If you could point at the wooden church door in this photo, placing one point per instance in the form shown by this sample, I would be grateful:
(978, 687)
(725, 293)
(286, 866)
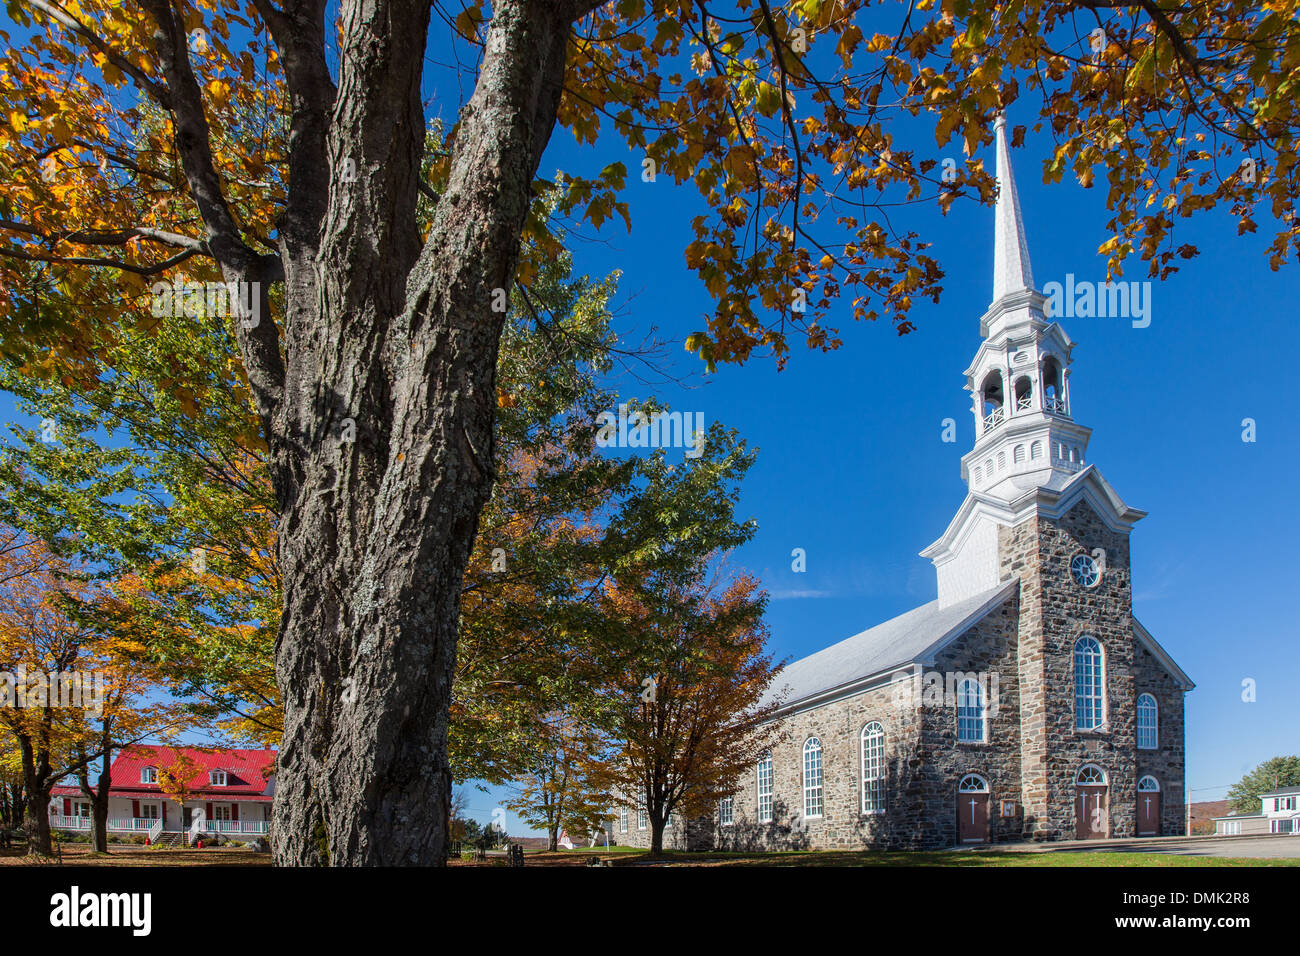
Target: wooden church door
(1091, 804)
(973, 809)
(1148, 808)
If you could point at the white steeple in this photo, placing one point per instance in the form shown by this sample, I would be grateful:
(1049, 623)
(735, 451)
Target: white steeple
(1011, 269)
(1019, 380)
(1029, 453)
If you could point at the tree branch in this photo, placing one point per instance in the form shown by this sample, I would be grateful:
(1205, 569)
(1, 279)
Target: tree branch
(156, 90)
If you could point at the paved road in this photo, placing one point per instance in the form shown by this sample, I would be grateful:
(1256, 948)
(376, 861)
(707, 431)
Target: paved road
(1282, 847)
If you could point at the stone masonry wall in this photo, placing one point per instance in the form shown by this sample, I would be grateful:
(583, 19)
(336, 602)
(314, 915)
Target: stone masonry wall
(991, 647)
(923, 762)
(1056, 612)
(1168, 761)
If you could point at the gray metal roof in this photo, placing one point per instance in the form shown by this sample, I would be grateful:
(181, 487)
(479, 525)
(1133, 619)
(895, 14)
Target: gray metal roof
(1285, 791)
(913, 636)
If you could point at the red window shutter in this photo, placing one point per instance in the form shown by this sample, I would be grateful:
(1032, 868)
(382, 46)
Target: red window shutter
(67, 806)
(164, 813)
(209, 811)
(135, 808)
(234, 811)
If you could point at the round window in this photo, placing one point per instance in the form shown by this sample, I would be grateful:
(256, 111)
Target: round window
(1086, 572)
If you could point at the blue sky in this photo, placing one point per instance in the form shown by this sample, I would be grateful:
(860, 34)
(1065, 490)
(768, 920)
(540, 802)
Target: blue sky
(852, 468)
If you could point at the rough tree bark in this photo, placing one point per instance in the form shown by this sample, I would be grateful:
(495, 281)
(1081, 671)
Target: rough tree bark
(657, 834)
(378, 400)
(99, 793)
(38, 781)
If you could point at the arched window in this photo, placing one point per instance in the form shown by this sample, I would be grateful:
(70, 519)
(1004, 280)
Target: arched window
(873, 768)
(973, 783)
(988, 466)
(970, 712)
(1002, 460)
(1036, 450)
(1148, 731)
(1024, 394)
(812, 777)
(978, 474)
(991, 393)
(1089, 685)
(1019, 454)
(765, 788)
(1148, 784)
(1090, 774)
(1053, 399)
(990, 402)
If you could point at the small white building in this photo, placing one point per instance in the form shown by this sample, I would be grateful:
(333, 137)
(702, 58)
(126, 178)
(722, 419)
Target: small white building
(227, 793)
(1279, 813)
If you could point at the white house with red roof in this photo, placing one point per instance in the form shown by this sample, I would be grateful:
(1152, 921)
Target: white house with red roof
(230, 794)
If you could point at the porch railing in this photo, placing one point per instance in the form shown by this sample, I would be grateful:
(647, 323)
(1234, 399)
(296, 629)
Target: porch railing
(153, 827)
(253, 827)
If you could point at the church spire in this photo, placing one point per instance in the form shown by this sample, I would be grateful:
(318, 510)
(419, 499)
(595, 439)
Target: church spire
(1011, 271)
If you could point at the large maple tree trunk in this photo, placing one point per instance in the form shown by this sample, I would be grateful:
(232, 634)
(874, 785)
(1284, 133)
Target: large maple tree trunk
(384, 457)
(36, 822)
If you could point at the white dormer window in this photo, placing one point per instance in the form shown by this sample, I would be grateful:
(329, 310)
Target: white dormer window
(217, 778)
(149, 775)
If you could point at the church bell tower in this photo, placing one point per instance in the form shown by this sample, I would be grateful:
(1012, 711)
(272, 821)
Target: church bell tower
(1030, 455)
(1019, 380)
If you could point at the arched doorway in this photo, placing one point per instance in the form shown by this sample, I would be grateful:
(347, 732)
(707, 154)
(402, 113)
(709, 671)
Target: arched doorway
(1148, 809)
(1091, 803)
(973, 809)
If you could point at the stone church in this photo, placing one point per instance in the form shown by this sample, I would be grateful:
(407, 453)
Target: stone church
(1026, 702)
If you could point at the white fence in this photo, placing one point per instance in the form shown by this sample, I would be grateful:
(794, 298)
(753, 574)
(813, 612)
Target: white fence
(152, 827)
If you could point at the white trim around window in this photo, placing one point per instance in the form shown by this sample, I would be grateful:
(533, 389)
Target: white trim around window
(812, 778)
(972, 715)
(1089, 684)
(765, 788)
(1148, 723)
(873, 768)
(1091, 775)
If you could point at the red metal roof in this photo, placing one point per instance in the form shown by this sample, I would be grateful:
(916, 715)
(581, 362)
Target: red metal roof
(246, 772)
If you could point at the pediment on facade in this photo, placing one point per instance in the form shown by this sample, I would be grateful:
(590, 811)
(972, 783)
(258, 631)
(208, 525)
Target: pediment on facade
(1040, 500)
